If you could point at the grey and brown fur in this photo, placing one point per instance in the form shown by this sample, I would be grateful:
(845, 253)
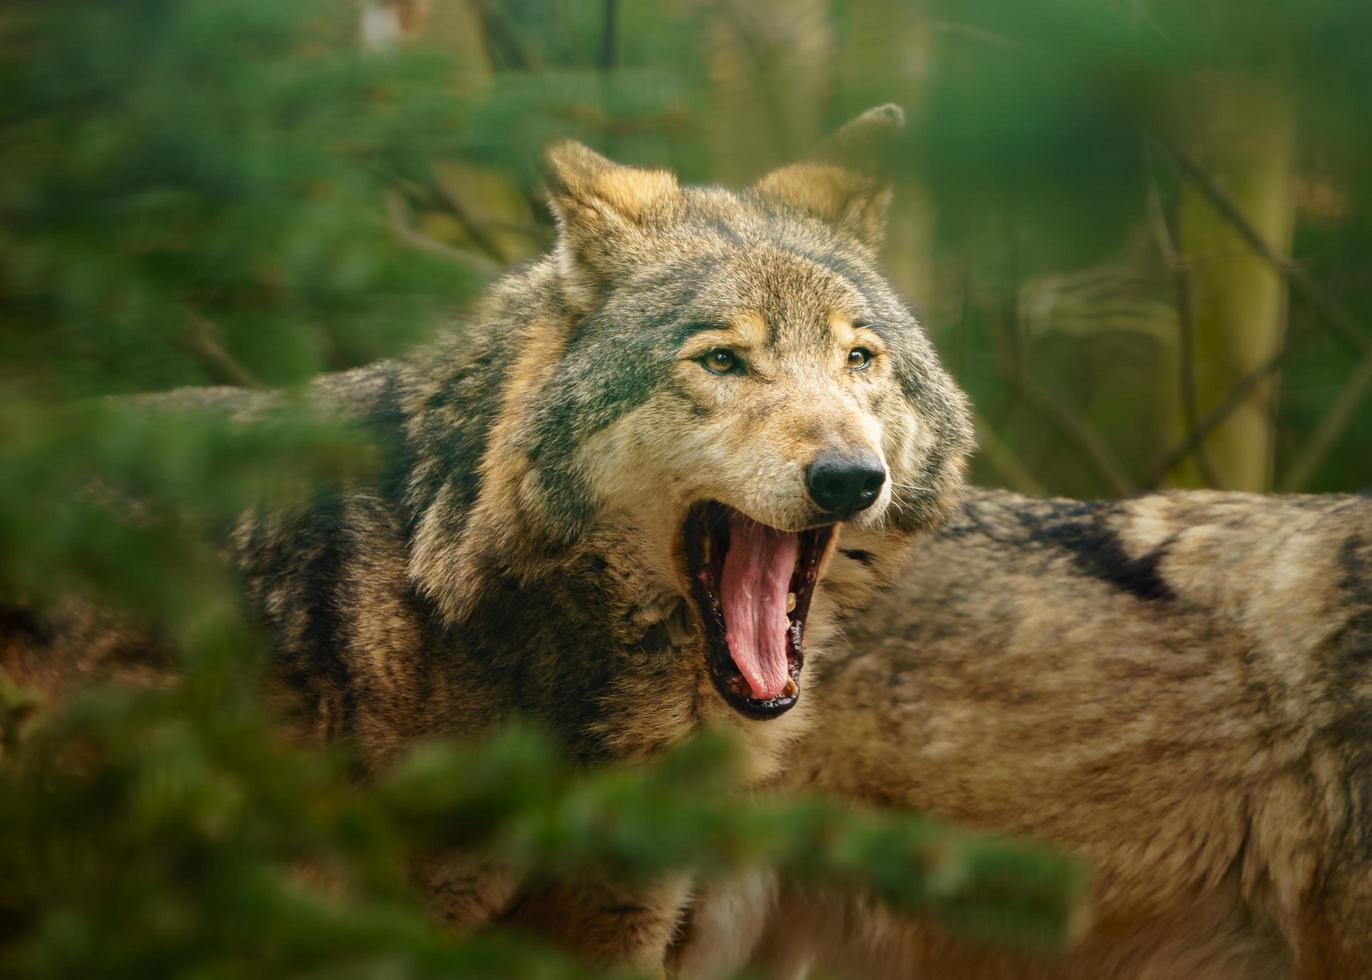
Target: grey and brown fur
(1177, 687)
(522, 554)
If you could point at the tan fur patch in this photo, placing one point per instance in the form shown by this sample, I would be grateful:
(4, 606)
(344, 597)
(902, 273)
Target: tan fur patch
(752, 328)
(584, 176)
(841, 326)
(851, 201)
(635, 193)
(504, 516)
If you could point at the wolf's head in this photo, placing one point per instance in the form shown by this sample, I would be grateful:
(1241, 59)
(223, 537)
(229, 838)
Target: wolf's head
(724, 382)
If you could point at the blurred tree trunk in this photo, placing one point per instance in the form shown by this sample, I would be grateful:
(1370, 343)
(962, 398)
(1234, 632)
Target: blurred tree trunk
(768, 62)
(487, 213)
(776, 66)
(1235, 299)
(885, 50)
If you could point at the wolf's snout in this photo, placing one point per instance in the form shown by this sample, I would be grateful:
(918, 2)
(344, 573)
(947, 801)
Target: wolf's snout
(843, 482)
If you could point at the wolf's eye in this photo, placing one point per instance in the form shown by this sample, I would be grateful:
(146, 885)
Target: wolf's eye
(859, 358)
(719, 361)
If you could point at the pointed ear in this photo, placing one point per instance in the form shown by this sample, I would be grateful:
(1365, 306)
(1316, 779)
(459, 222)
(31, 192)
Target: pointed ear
(603, 211)
(843, 181)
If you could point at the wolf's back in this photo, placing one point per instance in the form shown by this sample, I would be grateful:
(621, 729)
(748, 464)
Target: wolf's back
(1178, 686)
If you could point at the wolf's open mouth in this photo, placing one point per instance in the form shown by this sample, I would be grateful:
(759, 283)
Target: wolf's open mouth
(753, 585)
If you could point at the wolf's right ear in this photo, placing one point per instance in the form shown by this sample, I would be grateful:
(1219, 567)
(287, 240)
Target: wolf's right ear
(603, 211)
(843, 181)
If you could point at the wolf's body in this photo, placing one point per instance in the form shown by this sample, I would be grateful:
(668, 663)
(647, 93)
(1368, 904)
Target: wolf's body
(629, 435)
(1176, 686)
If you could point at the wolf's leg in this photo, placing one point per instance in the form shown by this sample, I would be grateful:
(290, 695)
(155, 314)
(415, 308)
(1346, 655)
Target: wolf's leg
(614, 925)
(465, 891)
(721, 931)
(813, 932)
(1336, 938)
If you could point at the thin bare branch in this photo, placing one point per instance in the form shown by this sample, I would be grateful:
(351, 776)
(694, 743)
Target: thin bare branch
(609, 31)
(1013, 369)
(976, 33)
(1330, 310)
(1185, 328)
(1077, 431)
(998, 453)
(400, 225)
(503, 31)
(449, 199)
(1331, 428)
(1235, 397)
(206, 342)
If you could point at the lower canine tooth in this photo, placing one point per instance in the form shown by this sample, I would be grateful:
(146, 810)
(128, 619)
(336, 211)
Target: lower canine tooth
(790, 689)
(790, 602)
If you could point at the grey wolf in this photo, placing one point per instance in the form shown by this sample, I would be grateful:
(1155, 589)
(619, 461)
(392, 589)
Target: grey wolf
(1174, 686)
(610, 502)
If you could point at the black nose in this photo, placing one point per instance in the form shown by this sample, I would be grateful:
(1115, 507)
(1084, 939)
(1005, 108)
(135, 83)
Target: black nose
(844, 483)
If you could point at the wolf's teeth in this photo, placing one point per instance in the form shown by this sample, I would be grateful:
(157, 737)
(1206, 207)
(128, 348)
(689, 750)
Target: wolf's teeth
(790, 689)
(790, 602)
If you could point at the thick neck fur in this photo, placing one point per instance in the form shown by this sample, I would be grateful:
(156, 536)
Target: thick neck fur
(449, 614)
(397, 614)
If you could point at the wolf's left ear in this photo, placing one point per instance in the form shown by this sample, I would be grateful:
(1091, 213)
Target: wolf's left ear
(843, 181)
(604, 211)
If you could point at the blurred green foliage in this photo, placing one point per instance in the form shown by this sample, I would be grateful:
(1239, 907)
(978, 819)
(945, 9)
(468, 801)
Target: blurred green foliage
(181, 177)
(169, 833)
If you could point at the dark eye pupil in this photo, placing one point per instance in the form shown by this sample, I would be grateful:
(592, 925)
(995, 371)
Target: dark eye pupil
(720, 361)
(857, 357)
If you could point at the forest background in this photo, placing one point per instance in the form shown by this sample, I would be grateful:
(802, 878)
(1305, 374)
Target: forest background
(1137, 231)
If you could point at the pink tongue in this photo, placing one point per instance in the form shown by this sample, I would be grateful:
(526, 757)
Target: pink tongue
(753, 585)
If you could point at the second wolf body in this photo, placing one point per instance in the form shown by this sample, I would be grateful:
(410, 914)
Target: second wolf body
(1176, 687)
